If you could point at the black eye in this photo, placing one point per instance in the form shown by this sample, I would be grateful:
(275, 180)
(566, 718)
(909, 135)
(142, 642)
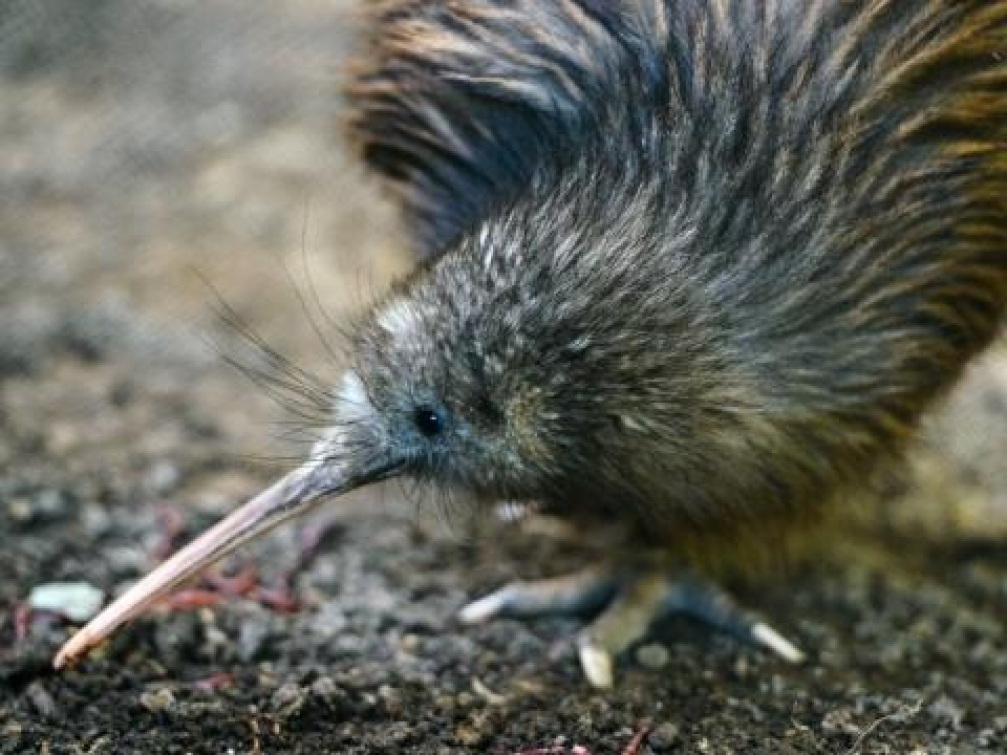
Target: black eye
(428, 421)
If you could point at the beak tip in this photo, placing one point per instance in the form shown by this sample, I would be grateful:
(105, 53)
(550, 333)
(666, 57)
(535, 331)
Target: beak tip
(66, 656)
(74, 649)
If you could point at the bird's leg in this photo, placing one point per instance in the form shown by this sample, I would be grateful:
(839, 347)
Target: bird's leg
(626, 602)
(583, 592)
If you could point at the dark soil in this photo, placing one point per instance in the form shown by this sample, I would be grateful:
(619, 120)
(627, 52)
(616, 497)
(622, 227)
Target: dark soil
(152, 152)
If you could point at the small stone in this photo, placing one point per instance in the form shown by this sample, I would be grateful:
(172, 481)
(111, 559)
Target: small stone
(664, 737)
(96, 520)
(947, 711)
(286, 694)
(445, 703)
(652, 656)
(741, 666)
(840, 721)
(41, 700)
(478, 729)
(252, 638)
(158, 701)
(398, 733)
(216, 645)
(50, 505)
(392, 699)
(288, 700)
(325, 689)
(125, 560)
(78, 601)
(469, 736)
(19, 510)
(163, 478)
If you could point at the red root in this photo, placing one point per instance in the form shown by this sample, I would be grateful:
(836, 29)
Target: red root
(245, 583)
(240, 585)
(22, 621)
(192, 599)
(633, 748)
(277, 599)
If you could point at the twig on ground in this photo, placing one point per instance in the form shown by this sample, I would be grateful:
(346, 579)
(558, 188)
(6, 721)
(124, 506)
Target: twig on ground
(906, 711)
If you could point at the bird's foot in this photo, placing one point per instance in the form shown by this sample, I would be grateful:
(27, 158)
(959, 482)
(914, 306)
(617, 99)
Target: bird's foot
(626, 603)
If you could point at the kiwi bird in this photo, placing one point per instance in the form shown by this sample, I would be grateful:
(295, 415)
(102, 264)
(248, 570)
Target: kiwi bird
(685, 268)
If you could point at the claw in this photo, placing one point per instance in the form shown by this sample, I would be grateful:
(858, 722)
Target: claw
(765, 635)
(596, 662)
(483, 609)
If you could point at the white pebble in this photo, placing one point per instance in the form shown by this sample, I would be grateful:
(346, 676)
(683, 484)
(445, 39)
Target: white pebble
(78, 601)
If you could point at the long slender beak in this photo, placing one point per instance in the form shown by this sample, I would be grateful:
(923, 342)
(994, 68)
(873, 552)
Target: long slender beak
(291, 496)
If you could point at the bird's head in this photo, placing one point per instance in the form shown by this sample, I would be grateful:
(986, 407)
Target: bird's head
(451, 383)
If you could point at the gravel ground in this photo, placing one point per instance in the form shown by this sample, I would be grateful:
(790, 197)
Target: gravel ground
(158, 158)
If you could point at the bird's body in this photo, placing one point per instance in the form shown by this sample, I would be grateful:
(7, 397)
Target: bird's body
(695, 265)
(689, 267)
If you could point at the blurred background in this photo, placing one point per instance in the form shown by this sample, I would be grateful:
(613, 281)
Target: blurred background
(161, 160)
(148, 145)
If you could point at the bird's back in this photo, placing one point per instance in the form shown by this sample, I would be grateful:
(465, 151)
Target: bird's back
(456, 105)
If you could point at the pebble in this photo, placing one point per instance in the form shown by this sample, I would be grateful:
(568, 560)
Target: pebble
(469, 736)
(445, 703)
(840, 721)
(253, 634)
(78, 601)
(163, 477)
(19, 510)
(392, 699)
(158, 701)
(216, 645)
(947, 711)
(50, 505)
(288, 700)
(126, 560)
(96, 520)
(664, 737)
(11, 730)
(652, 656)
(41, 700)
(325, 689)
